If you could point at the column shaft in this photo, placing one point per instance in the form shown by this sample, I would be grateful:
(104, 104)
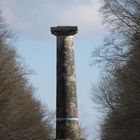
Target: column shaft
(67, 126)
(67, 114)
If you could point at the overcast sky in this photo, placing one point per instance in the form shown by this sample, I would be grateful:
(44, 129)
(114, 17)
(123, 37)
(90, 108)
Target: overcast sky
(32, 20)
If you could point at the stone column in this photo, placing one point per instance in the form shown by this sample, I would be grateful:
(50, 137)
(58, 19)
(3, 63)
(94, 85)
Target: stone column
(67, 125)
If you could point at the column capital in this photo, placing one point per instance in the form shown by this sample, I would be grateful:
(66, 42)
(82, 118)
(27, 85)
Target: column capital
(64, 30)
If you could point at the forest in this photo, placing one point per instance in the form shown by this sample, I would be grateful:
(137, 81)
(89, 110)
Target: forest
(119, 90)
(24, 117)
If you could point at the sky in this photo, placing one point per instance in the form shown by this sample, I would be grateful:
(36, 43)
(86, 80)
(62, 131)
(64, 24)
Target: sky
(32, 19)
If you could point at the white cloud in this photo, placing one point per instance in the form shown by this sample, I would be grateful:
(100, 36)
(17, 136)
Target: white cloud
(35, 16)
(85, 16)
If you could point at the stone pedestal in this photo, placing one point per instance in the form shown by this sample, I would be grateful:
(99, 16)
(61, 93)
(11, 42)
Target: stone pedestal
(67, 125)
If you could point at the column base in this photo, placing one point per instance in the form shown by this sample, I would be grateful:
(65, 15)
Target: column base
(72, 139)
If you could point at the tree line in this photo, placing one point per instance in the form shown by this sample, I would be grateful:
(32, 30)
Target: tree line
(119, 90)
(22, 116)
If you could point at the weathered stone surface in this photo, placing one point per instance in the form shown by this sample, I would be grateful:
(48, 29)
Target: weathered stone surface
(64, 30)
(67, 125)
(68, 129)
(68, 112)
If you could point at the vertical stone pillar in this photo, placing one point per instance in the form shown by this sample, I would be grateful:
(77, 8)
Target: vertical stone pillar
(67, 125)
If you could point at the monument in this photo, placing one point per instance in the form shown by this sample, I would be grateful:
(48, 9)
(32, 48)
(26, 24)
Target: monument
(67, 125)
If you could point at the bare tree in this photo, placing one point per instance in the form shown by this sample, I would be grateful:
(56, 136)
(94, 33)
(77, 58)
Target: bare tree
(122, 17)
(22, 117)
(119, 90)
